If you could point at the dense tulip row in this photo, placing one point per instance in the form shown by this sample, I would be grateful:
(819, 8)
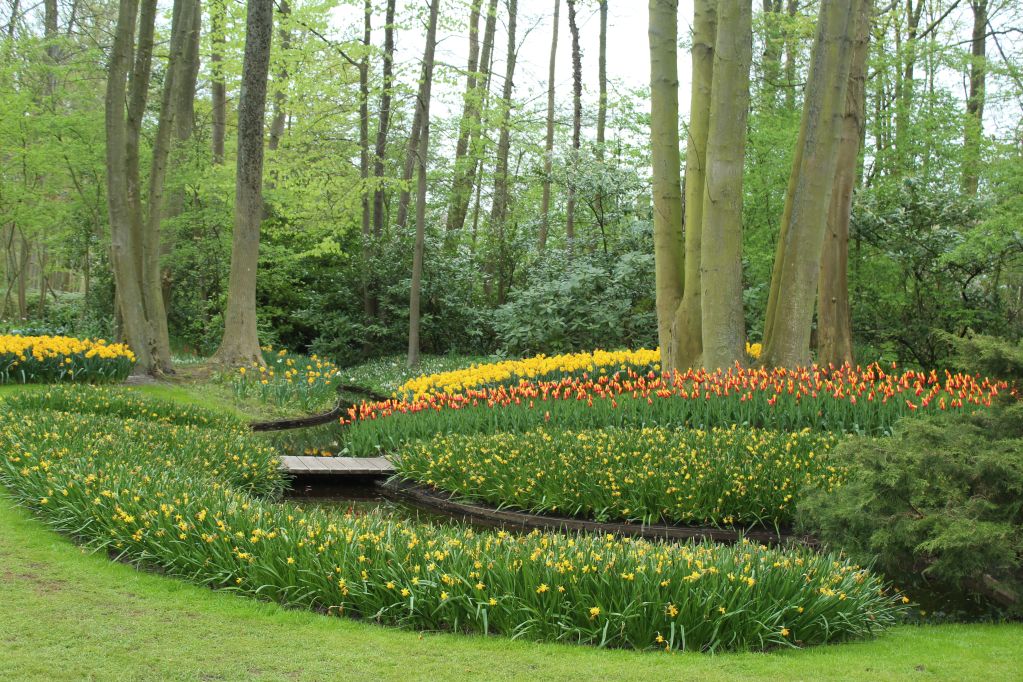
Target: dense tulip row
(839, 399)
(194, 502)
(49, 359)
(721, 477)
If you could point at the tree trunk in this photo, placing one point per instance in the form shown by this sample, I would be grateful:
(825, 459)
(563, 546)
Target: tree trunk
(792, 9)
(372, 305)
(771, 62)
(687, 325)
(124, 245)
(721, 260)
(465, 125)
(545, 206)
(240, 345)
(280, 117)
(462, 186)
(218, 90)
(577, 116)
(905, 88)
(834, 317)
(667, 189)
(974, 131)
(499, 209)
(152, 290)
(423, 112)
(804, 220)
(367, 230)
(602, 80)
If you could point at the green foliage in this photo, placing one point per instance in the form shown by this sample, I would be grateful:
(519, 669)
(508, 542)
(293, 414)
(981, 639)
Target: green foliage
(987, 355)
(587, 301)
(937, 507)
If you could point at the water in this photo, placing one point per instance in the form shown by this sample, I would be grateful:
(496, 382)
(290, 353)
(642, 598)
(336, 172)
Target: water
(360, 495)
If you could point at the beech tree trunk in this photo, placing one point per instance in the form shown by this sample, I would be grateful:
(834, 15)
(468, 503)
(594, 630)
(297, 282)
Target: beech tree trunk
(174, 81)
(797, 261)
(577, 116)
(280, 101)
(687, 325)
(545, 206)
(499, 209)
(124, 208)
(240, 345)
(974, 131)
(721, 241)
(423, 113)
(218, 90)
(383, 125)
(834, 316)
(602, 79)
(465, 125)
(462, 186)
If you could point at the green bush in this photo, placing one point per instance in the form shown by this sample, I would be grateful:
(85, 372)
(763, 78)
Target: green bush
(987, 355)
(938, 507)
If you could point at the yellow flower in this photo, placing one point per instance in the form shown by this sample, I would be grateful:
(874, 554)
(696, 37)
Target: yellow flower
(784, 632)
(543, 588)
(443, 596)
(594, 611)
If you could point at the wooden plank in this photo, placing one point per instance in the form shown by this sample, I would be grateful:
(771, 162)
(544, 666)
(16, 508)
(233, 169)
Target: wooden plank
(337, 466)
(293, 465)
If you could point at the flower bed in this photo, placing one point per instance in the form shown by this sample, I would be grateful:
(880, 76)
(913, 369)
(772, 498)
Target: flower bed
(198, 502)
(288, 380)
(50, 359)
(866, 400)
(722, 476)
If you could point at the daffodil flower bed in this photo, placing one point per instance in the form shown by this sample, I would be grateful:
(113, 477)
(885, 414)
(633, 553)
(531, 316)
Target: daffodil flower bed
(288, 380)
(866, 400)
(198, 502)
(51, 359)
(723, 476)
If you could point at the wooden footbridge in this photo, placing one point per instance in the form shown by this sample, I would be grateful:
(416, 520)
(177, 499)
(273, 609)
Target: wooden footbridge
(337, 466)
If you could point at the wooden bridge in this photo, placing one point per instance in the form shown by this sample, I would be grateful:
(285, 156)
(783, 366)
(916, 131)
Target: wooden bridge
(337, 466)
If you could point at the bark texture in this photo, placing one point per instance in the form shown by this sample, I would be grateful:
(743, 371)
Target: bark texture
(545, 206)
(240, 345)
(577, 117)
(460, 192)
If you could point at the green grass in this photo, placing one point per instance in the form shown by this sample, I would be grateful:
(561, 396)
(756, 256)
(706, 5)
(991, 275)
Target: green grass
(65, 614)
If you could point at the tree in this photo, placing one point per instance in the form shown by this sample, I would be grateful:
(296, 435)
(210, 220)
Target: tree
(240, 345)
(577, 116)
(834, 316)
(465, 125)
(545, 206)
(465, 175)
(218, 89)
(974, 130)
(123, 182)
(723, 322)
(602, 79)
(798, 256)
(280, 100)
(422, 152)
(499, 208)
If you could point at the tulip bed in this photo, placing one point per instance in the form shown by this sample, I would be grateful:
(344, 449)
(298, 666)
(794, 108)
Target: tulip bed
(723, 476)
(54, 359)
(862, 400)
(194, 493)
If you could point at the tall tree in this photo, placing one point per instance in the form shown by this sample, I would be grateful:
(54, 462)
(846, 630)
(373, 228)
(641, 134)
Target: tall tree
(123, 127)
(218, 88)
(723, 323)
(602, 79)
(834, 316)
(974, 130)
(422, 154)
(384, 122)
(461, 189)
(677, 267)
(182, 23)
(367, 35)
(465, 126)
(545, 206)
(577, 117)
(280, 100)
(499, 209)
(798, 256)
(240, 345)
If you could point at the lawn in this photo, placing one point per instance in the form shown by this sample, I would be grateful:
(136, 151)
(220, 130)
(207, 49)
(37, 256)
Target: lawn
(69, 615)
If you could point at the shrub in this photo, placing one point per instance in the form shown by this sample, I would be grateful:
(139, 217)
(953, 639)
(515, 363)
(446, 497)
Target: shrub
(938, 506)
(192, 501)
(987, 355)
(49, 359)
(722, 476)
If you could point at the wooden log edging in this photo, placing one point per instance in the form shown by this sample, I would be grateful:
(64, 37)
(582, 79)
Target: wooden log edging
(322, 418)
(434, 500)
